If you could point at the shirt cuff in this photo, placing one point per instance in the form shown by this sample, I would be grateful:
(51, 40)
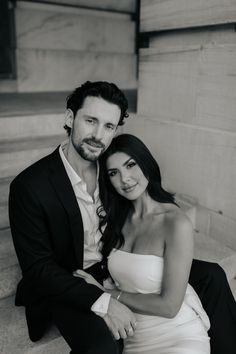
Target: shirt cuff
(100, 306)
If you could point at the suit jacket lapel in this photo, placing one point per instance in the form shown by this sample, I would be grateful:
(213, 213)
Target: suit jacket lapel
(61, 183)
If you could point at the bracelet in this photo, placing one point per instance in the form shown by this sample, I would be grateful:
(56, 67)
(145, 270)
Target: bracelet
(118, 296)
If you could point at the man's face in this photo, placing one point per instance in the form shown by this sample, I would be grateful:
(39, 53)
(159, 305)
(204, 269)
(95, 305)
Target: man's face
(94, 127)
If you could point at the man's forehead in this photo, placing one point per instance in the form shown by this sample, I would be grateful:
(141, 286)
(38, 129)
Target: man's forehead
(91, 101)
(98, 107)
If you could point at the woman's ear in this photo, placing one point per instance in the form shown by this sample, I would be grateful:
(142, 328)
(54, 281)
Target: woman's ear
(69, 118)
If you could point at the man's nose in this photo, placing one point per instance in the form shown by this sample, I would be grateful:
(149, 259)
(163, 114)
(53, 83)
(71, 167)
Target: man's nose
(98, 132)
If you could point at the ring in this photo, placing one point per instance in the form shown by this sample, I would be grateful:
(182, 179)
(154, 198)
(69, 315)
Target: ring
(130, 329)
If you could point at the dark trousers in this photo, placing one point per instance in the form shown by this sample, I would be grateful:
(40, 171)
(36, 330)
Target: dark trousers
(85, 332)
(210, 282)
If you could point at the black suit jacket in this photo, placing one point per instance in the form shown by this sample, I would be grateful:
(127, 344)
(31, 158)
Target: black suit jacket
(48, 235)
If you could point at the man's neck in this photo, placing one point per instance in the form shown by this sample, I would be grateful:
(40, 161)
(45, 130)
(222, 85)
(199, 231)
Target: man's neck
(79, 164)
(87, 170)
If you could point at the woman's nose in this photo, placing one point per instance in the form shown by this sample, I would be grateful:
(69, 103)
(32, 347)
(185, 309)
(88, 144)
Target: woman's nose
(125, 177)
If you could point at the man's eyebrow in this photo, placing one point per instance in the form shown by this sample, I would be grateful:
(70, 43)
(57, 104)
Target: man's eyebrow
(95, 118)
(91, 117)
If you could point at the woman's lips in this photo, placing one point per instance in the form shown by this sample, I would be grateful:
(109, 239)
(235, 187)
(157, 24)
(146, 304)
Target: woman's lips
(129, 189)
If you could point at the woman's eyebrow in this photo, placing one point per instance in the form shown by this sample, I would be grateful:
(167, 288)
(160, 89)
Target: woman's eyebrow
(123, 164)
(126, 162)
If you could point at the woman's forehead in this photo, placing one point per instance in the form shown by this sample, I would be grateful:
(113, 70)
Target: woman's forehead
(117, 159)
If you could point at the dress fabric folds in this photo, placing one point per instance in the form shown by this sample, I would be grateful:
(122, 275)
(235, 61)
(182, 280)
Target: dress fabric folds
(186, 333)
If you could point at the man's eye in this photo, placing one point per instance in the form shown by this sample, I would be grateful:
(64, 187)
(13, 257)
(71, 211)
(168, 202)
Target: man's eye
(91, 121)
(110, 127)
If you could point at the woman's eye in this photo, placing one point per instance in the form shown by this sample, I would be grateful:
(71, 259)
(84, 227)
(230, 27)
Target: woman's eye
(112, 173)
(131, 164)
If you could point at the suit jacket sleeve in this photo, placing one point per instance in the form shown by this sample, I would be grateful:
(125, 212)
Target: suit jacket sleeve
(41, 271)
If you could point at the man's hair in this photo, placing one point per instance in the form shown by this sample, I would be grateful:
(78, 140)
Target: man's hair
(106, 90)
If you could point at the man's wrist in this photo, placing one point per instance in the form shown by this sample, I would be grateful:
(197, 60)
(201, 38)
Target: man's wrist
(118, 296)
(115, 294)
(100, 307)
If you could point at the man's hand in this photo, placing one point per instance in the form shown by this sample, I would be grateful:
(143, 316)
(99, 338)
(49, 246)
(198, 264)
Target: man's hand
(120, 320)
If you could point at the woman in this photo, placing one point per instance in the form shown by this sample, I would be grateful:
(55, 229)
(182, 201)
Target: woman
(149, 244)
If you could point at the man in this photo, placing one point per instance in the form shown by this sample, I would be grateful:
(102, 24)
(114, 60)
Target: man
(52, 208)
(54, 223)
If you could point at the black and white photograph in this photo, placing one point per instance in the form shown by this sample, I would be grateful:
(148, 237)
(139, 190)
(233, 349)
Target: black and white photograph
(117, 177)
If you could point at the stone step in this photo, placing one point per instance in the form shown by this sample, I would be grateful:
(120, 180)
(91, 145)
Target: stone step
(17, 155)
(59, 47)
(58, 70)
(35, 125)
(14, 333)
(159, 15)
(208, 249)
(217, 225)
(80, 29)
(4, 189)
(122, 6)
(4, 219)
(223, 228)
(38, 114)
(31, 104)
(10, 272)
(8, 85)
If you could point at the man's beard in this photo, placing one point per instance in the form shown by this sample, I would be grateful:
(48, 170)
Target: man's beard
(84, 151)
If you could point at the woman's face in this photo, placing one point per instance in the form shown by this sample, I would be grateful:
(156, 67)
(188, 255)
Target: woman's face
(126, 176)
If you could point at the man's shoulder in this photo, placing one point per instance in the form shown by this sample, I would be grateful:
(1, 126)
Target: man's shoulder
(37, 170)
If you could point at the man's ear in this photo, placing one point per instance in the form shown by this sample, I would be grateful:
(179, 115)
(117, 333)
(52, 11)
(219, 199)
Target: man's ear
(69, 118)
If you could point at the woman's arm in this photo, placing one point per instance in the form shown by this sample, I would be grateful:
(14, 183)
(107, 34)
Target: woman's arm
(177, 263)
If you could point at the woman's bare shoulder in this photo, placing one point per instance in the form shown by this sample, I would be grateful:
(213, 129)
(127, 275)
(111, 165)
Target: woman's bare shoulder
(178, 218)
(179, 225)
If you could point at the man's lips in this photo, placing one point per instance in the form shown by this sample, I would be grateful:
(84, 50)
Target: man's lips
(94, 144)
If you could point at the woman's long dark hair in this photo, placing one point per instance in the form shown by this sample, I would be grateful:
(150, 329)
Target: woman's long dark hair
(115, 208)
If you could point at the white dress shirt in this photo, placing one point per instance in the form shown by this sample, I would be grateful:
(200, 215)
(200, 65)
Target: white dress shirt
(88, 208)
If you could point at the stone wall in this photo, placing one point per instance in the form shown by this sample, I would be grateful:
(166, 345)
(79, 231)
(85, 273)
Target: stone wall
(59, 47)
(187, 109)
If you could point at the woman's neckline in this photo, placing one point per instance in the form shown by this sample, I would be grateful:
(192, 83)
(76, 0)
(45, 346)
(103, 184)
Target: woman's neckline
(138, 254)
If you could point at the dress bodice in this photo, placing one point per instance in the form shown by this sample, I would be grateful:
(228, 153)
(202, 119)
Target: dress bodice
(134, 272)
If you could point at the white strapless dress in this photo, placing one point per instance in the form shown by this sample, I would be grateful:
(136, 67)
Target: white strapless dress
(186, 333)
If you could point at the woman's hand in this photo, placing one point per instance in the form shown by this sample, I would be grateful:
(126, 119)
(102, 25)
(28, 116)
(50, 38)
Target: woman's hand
(91, 280)
(88, 278)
